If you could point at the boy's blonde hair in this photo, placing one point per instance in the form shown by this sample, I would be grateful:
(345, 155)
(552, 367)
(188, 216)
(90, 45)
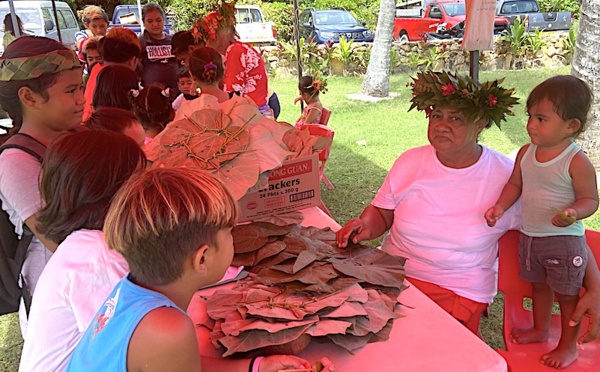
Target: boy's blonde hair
(91, 13)
(159, 218)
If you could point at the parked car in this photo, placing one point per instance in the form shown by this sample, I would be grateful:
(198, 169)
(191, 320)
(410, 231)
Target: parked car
(38, 19)
(252, 27)
(529, 13)
(128, 16)
(417, 23)
(330, 25)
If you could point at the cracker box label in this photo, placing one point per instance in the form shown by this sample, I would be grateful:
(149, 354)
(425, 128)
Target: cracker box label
(293, 186)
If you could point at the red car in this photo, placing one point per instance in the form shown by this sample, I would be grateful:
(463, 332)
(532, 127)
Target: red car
(437, 13)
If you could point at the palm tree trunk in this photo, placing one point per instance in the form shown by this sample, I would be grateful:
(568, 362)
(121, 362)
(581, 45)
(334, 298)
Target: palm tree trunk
(377, 79)
(586, 63)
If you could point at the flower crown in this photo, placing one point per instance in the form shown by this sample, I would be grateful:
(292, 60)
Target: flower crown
(319, 84)
(488, 101)
(222, 16)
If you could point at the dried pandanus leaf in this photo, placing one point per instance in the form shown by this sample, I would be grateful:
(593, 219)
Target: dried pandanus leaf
(298, 293)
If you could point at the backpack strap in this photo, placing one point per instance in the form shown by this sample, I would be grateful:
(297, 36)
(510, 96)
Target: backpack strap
(25, 142)
(35, 148)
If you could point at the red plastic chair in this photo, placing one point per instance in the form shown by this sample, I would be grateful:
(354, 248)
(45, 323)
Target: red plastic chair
(326, 132)
(525, 358)
(325, 115)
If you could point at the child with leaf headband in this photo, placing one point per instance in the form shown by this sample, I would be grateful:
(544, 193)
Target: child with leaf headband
(41, 90)
(310, 87)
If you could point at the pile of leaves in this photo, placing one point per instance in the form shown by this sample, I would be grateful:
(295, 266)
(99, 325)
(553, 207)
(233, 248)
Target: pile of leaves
(303, 287)
(232, 140)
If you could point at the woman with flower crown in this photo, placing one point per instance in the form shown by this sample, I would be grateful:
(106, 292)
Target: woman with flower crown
(309, 88)
(433, 198)
(245, 71)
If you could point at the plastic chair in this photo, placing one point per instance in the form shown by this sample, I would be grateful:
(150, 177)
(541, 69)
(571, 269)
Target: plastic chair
(326, 132)
(527, 357)
(325, 115)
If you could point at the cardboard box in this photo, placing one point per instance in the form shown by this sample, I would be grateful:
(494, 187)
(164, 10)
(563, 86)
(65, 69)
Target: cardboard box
(293, 186)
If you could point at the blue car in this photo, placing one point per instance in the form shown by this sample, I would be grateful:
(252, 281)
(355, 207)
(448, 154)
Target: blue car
(330, 25)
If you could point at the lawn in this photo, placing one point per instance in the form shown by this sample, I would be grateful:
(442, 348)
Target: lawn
(369, 137)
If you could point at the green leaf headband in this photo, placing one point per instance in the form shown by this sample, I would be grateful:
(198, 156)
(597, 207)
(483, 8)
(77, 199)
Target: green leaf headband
(26, 68)
(488, 101)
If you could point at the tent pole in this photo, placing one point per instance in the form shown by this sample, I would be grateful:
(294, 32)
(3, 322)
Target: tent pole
(298, 49)
(56, 19)
(13, 16)
(139, 5)
(474, 65)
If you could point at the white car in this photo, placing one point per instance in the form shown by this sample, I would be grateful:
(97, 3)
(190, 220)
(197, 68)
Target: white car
(38, 19)
(251, 25)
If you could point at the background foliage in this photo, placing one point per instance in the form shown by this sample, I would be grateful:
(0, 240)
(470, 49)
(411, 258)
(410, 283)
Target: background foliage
(560, 6)
(186, 12)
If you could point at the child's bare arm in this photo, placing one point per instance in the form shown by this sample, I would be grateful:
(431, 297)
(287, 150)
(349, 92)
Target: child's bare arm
(510, 193)
(583, 175)
(313, 113)
(164, 340)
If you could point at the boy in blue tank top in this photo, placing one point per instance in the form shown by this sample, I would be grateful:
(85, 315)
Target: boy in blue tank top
(173, 226)
(557, 184)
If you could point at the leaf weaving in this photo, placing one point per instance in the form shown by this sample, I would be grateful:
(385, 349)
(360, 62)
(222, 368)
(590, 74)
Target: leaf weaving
(256, 339)
(296, 291)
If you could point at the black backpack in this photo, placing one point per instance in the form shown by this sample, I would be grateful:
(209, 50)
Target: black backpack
(13, 249)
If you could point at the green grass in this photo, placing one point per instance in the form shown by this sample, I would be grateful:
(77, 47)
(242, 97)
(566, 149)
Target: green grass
(369, 137)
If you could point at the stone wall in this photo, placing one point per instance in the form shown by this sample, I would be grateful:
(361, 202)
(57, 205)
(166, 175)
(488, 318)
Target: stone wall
(445, 54)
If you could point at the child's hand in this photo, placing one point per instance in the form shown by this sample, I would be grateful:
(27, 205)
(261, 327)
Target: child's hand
(565, 218)
(297, 99)
(275, 363)
(494, 214)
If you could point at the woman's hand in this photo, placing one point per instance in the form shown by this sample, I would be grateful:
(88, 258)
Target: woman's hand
(588, 304)
(275, 363)
(297, 99)
(354, 230)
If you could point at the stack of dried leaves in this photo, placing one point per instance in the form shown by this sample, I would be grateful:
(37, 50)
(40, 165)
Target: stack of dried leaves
(232, 140)
(303, 287)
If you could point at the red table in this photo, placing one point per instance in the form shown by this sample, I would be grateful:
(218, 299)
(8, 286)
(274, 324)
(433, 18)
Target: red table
(426, 339)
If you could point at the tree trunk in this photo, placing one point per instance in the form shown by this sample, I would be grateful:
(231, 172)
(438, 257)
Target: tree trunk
(586, 65)
(377, 79)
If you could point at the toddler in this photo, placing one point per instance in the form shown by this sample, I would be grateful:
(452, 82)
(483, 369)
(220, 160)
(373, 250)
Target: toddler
(557, 185)
(309, 88)
(185, 83)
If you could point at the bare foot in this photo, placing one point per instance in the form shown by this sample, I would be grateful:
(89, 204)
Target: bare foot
(528, 335)
(560, 358)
